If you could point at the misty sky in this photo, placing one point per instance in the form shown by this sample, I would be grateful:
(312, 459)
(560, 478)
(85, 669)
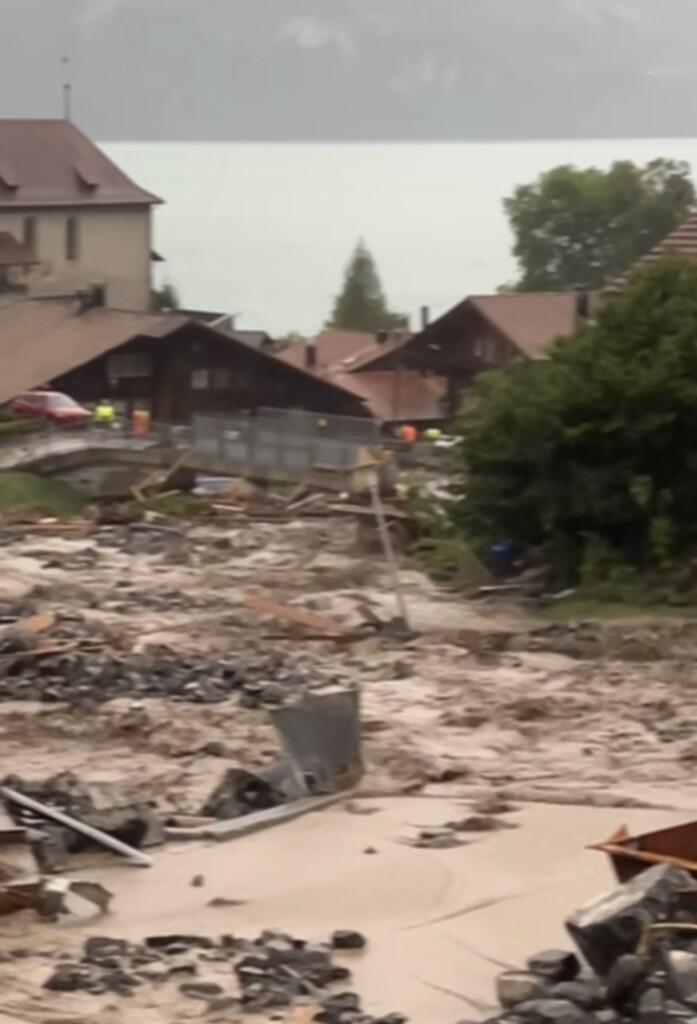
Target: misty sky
(355, 69)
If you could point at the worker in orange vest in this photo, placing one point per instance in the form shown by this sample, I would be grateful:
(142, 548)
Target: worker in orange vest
(408, 433)
(140, 422)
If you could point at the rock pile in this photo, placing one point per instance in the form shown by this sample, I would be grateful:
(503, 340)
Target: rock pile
(228, 975)
(101, 674)
(640, 945)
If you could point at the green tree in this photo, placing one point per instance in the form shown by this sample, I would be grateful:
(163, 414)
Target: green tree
(579, 229)
(599, 441)
(361, 305)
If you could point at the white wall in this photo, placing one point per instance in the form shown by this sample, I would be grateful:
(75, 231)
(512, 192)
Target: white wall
(114, 247)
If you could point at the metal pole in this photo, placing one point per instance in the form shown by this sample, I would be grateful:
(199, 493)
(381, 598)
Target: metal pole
(384, 531)
(95, 834)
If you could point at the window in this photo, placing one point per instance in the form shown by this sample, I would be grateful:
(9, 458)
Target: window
(129, 364)
(201, 380)
(30, 233)
(72, 239)
(479, 348)
(221, 378)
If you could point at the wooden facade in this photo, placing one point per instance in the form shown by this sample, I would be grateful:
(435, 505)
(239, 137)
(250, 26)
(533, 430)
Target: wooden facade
(198, 370)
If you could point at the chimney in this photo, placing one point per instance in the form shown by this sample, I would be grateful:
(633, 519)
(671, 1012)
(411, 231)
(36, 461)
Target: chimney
(382, 337)
(425, 317)
(92, 297)
(310, 355)
(583, 308)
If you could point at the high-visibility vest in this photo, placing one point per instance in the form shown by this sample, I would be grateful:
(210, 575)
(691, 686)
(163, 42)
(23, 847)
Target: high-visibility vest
(140, 421)
(104, 413)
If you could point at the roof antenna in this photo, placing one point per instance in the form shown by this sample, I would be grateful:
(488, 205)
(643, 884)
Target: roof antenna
(67, 89)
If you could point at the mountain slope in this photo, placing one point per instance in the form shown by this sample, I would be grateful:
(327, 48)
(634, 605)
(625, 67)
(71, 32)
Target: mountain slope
(356, 69)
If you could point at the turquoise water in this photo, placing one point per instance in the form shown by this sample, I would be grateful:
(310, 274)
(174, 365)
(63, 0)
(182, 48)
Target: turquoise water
(265, 230)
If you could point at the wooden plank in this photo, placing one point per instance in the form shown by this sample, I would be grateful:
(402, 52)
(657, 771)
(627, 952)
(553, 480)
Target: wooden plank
(297, 616)
(37, 623)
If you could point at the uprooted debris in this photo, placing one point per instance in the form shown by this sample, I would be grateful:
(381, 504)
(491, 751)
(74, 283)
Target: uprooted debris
(91, 815)
(640, 942)
(321, 742)
(229, 975)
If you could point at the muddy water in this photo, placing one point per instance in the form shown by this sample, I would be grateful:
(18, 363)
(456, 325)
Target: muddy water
(439, 922)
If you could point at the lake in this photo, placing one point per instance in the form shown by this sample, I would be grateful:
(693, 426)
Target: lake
(265, 230)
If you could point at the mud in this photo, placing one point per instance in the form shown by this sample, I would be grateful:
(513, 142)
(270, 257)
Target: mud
(485, 705)
(483, 698)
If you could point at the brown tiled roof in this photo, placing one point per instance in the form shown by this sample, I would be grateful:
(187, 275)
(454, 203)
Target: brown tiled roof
(44, 339)
(40, 340)
(681, 242)
(14, 253)
(397, 395)
(533, 321)
(341, 351)
(51, 163)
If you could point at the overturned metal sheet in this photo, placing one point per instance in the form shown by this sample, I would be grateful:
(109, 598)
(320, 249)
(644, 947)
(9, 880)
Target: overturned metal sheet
(321, 736)
(630, 855)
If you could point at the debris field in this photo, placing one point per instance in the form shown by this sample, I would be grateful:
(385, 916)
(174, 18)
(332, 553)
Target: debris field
(151, 658)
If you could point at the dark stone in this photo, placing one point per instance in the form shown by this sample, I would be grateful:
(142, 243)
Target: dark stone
(99, 950)
(214, 748)
(584, 992)
(515, 987)
(347, 939)
(69, 978)
(339, 973)
(651, 1007)
(186, 968)
(119, 982)
(625, 976)
(553, 1011)
(338, 1008)
(681, 976)
(555, 965)
(225, 1005)
(612, 926)
(198, 882)
(178, 942)
(201, 990)
(391, 1018)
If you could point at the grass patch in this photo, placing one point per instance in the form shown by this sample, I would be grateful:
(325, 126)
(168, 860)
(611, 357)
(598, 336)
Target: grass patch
(575, 610)
(10, 428)
(25, 492)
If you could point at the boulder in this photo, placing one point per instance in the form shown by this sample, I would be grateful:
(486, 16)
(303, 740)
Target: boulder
(587, 993)
(555, 964)
(553, 1011)
(347, 939)
(515, 987)
(612, 926)
(624, 978)
(681, 975)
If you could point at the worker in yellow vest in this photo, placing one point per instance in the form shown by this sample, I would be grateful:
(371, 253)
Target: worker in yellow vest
(105, 414)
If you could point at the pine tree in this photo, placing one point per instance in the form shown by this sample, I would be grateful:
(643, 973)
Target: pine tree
(361, 305)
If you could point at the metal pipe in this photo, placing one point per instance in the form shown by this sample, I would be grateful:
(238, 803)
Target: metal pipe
(95, 834)
(384, 531)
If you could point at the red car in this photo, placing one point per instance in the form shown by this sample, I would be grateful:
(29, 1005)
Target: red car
(51, 406)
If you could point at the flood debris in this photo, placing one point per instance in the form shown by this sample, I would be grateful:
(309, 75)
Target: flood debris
(274, 971)
(15, 799)
(639, 943)
(321, 742)
(630, 855)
